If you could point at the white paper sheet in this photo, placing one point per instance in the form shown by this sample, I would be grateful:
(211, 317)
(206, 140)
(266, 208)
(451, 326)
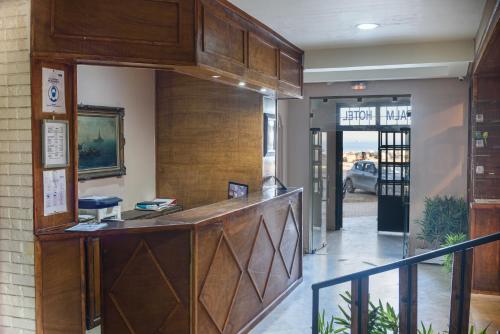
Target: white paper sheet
(56, 145)
(54, 191)
(53, 91)
(84, 227)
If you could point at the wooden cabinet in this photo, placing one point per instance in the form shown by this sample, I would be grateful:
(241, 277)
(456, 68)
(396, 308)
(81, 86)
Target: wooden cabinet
(486, 272)
(197, 37)
(138, 31)
(60, 286)
(233, 43)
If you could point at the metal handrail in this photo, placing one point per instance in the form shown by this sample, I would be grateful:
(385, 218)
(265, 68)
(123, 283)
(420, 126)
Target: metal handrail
(394, 265)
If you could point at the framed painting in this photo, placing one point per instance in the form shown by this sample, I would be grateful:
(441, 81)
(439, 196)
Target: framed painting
(100, 142)
(269, 134)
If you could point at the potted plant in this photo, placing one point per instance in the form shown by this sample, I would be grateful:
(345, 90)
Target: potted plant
(442, 216)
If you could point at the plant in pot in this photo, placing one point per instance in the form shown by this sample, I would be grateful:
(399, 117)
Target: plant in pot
(443, 216)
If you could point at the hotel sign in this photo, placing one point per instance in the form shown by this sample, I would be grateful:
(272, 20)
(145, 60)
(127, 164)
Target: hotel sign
(367, 116)
(358, 116)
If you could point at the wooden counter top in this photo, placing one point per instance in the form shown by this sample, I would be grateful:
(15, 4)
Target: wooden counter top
(191, 218)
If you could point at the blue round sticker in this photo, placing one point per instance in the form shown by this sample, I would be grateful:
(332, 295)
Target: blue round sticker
(53, 93)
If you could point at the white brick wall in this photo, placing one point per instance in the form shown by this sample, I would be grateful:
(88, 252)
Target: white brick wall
(17, 292)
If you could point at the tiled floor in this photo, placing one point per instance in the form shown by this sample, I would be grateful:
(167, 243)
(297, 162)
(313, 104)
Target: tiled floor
(357, 247)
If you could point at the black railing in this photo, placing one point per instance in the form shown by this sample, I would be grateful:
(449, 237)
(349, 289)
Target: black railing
(461, 287)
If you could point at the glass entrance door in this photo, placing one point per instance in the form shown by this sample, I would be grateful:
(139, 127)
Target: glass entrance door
(319, 189)
(394, 183)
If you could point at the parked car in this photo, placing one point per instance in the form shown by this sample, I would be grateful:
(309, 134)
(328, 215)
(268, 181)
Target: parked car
(363, 175)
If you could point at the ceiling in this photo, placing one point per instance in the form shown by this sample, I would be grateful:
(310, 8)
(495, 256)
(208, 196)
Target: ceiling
(320, 24)
(416, 39)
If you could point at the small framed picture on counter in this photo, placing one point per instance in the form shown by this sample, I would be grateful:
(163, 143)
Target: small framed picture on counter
(236, 190)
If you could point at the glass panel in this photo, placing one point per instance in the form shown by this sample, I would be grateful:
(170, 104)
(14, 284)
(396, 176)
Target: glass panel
(356, 116)
(395, 115)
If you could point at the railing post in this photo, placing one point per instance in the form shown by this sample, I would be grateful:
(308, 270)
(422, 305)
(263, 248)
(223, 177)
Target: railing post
(408, 299)
(460, 292)
(359, 306)
(315, 313)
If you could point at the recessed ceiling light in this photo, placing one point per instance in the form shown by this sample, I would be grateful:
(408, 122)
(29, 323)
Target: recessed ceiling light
(241, 84)
(368, 26)
(216, 76)
(263, 90)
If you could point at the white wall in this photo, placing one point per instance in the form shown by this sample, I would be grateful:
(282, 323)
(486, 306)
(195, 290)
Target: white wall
(134, 90)
(439, 137)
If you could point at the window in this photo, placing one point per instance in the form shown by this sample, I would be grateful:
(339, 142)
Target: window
(358, 166)
(370, 168)
(395, 115)
(358, 116)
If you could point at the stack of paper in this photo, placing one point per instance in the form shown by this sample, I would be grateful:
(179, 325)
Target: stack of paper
(158, 204)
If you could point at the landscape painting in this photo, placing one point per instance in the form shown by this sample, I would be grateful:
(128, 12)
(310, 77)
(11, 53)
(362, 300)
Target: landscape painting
(100, 142)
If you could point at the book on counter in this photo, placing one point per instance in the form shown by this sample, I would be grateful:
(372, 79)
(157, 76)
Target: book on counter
(158, 204)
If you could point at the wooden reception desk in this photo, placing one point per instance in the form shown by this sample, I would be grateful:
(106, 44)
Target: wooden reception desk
(219, 268)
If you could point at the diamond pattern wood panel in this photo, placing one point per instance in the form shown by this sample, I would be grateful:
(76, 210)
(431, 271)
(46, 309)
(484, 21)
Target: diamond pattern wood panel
(289, 241)
(152, 292)
(266, 239)
(146, 283)
(261, 259)
(222, 283)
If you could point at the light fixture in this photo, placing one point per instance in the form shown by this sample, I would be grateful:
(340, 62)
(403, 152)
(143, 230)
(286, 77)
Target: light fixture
(394, 99)
(263, 90)
(358, 85)
(368, 26)
(242, 84)
(360, 99)
(216, 76)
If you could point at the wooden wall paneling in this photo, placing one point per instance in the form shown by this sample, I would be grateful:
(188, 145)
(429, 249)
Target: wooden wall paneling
(486, 268)
(486, 104)
(189, 36)
(43, 223)
(258, 59)
(487, 59)
(204, 141)
(290, 73)
(116, 30)
(222, 40)
(246, 259)
(60, 286)
(146, 289)
(262, 56)
(223, 37)
(93, 286)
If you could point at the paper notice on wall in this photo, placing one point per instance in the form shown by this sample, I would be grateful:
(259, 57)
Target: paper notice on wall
(53, 91)
(55, 141)
(54, 192)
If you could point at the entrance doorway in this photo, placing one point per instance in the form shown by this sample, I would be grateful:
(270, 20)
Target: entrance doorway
(359, 177)
(362, 175)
